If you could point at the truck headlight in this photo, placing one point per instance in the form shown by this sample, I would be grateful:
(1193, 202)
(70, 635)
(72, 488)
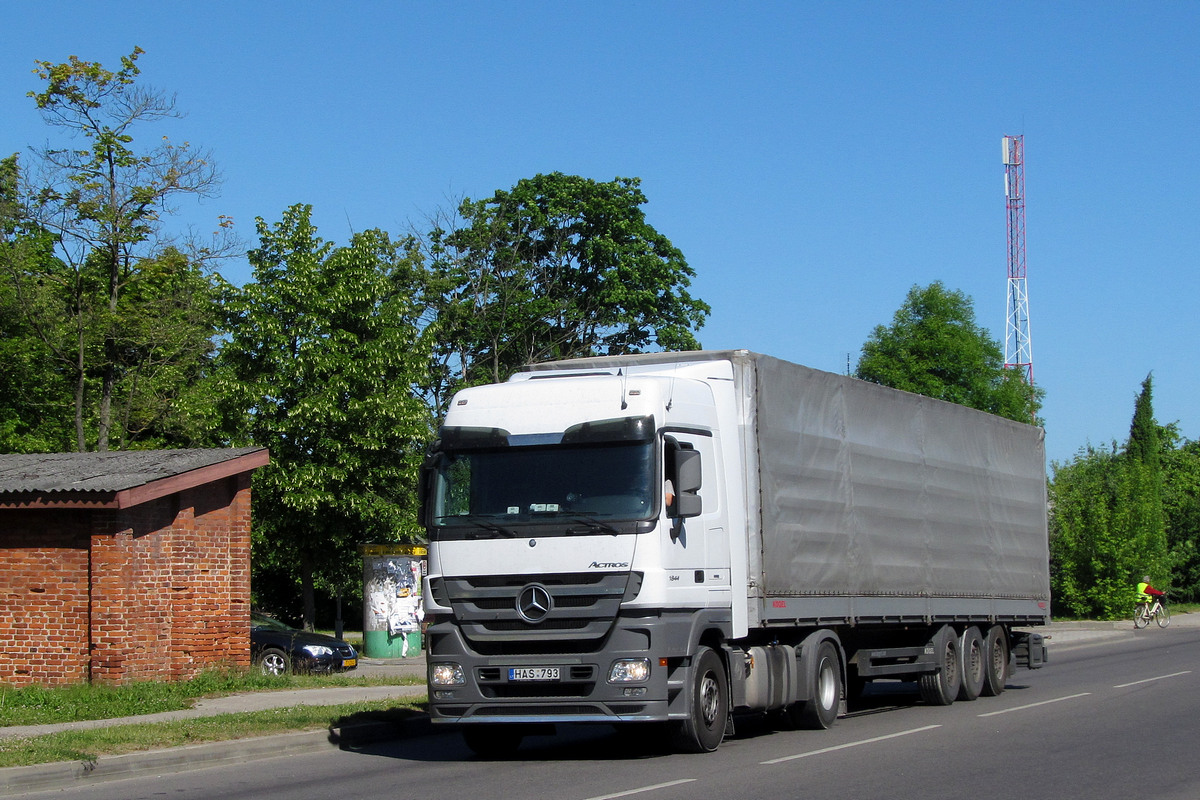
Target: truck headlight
(446, 675)
(629, 670)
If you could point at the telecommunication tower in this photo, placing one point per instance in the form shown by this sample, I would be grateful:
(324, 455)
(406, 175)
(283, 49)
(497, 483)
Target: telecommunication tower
(1018, 346)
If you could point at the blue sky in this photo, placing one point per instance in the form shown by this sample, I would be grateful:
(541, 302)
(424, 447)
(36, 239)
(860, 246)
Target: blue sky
(813, 160)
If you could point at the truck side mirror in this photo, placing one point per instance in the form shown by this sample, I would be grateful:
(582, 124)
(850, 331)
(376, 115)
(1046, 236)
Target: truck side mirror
(425, 487)
(688, 477)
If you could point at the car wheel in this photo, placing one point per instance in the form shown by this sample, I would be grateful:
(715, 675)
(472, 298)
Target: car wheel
(274, 661)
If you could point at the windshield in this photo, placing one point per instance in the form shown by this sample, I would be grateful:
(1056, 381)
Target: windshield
(599, 481)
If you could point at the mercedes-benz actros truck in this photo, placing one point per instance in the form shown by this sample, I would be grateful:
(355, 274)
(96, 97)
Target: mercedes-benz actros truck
(678, 539)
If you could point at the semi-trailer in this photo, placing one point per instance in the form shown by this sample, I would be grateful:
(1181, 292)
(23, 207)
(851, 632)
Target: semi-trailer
(677, 539)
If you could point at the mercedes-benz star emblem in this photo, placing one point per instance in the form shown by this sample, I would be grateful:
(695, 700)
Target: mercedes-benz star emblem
(533, 603)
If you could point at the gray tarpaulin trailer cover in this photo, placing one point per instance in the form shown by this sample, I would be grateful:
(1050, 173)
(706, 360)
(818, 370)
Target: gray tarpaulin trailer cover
(870, 492)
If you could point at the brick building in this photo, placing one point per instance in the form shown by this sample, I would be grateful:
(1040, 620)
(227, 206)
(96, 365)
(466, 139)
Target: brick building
(124, 566)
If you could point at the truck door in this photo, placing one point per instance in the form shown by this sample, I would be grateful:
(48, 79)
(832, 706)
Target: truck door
(695, 548)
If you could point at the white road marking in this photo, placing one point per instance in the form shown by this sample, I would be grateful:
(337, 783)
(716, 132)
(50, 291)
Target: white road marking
(1148, 680)
(1035, 705)
(848, 745)
(628, 792)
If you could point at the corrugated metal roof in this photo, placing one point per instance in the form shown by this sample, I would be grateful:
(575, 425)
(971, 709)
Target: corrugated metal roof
(108, 472)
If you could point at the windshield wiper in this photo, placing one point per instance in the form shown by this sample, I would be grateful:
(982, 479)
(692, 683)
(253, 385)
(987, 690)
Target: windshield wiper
(592, 524)
(479, 521)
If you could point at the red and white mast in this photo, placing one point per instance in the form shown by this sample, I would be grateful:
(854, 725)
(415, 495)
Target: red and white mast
(1018, 344)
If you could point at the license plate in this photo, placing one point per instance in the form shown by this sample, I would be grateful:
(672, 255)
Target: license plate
(349, 662)
(533, 673)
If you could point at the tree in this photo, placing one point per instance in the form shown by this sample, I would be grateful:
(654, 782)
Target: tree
(34, 400)
(1107, 522)
(559, 266)
(1147, 524)
(168, 316)
(103, 203)
(324, 348)
(934, 348)
(1092, 558)
(1181, 509)
(1143, 444)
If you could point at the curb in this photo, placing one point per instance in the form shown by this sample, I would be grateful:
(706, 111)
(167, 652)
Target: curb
(64, 774)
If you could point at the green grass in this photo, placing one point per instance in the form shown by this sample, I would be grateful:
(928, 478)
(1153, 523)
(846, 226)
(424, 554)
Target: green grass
(37, 705)
(88, 745)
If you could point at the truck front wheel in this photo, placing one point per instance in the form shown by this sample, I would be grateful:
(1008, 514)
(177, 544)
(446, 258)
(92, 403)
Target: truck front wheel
(704, 728)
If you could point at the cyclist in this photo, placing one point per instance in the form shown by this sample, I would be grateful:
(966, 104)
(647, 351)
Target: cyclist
(1147, 593)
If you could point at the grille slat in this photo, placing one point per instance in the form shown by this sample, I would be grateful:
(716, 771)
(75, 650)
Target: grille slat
(583, 606)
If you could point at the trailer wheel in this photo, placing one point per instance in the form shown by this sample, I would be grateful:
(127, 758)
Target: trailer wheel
(940, 688)
(974, 669)
(995, 660)
(704, 728)
(820, 712)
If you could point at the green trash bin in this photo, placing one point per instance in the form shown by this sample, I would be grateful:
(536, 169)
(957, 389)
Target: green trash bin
(393, 606)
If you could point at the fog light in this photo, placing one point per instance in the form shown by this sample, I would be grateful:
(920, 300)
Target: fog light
(446, 675)
(631, 670)
(634, 691)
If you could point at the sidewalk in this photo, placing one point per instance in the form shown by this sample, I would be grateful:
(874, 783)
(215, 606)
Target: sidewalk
(58, 775)
(13, 780)
(260, 701)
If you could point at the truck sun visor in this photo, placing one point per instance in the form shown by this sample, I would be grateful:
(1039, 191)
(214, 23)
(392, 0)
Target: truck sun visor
(458, 438)
(621, 429)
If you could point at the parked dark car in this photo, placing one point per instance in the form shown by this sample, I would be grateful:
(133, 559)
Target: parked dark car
(277, 649)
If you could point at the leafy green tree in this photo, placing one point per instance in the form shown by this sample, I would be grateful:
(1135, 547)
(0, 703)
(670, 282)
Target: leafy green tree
(1107, 524)
(35, 410)
(559, 266)
(323, 351)
(54, 324)
(1147, 523)
(1092, 557)
(934, 348)
(103, 200)
(1181, 509)
(168, 316)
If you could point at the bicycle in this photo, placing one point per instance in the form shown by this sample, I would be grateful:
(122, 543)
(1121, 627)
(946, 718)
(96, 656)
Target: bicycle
(1154, 610)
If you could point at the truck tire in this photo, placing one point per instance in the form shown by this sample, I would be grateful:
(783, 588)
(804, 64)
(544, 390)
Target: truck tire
(995, 661)
(970, 647)
(708, 712)
(821, 710)
(493, 741)
(940, 688)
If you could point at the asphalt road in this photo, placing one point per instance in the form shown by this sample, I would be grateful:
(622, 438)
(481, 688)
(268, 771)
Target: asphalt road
(1114, 717)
